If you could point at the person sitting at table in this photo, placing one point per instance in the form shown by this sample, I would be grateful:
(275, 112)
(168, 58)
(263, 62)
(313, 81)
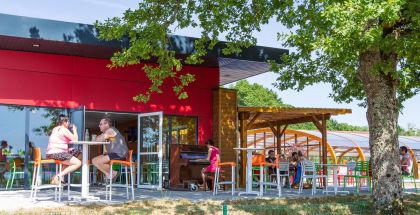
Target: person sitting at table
(58, 149)
(116, 149)
(212, 156)
(271, 159)
(406, 162)
(3, 147)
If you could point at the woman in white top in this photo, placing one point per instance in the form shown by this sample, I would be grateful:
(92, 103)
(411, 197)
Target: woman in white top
(58, 147)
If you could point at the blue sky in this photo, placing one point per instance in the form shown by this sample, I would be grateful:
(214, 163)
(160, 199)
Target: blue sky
(87, 11)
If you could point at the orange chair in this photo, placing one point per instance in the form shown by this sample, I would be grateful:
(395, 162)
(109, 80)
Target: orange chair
(127, 163)
(263, 171)
(35, 176)
(216, 183)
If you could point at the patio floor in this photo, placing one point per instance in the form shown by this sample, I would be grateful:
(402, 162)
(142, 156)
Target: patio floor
(20, 199)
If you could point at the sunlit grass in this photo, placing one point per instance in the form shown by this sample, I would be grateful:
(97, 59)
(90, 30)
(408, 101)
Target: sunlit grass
(323, 205)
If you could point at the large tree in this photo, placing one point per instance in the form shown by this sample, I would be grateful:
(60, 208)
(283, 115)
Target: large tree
(367, 50)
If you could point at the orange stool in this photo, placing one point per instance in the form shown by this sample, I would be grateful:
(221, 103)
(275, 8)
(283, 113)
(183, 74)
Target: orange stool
(127, 163)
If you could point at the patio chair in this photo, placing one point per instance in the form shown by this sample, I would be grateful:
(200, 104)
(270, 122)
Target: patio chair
(36, 185)
(284, 172)
(127, 163)
(14, 174)
(361, 171)
(217, 181)
(412, 177)
(309, 172)
(263, 175)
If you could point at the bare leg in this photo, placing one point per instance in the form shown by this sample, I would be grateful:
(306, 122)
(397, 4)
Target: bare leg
(203, 175)
(72, 165)
(102, 163)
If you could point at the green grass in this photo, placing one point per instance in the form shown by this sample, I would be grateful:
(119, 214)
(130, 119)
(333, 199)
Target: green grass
(323, 205)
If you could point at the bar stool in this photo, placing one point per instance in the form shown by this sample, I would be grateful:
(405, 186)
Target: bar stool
(35, 176)
(263, 175)
(216, 183)
(126, 163)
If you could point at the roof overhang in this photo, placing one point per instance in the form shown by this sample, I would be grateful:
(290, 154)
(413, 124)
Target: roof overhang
(265, 117)
(57, 37)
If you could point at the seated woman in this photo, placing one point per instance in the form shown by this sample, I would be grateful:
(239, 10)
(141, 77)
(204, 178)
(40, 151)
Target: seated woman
(212, 156)
(58, 147)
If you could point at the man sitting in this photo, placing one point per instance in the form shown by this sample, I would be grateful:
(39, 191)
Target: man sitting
(116, 149)
(406, 162)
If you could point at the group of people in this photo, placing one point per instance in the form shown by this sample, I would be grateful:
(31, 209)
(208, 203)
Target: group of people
(61, 136)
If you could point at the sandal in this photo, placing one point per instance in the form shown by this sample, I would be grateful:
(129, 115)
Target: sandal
(55, 180)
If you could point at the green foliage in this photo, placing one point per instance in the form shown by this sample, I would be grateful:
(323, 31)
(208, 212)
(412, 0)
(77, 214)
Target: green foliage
(330, 35)
(333, 34)
(256, 95)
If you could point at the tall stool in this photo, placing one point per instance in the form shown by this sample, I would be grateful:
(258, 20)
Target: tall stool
(35, 176)
(126, 163)
(264, 172)
(216, 182)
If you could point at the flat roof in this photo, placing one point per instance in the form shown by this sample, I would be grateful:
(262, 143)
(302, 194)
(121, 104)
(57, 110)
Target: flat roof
(58, 37)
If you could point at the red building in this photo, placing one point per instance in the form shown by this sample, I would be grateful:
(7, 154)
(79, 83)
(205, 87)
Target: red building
(50, 67)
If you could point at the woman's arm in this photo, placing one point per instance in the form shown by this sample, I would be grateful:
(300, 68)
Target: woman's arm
(69, 135)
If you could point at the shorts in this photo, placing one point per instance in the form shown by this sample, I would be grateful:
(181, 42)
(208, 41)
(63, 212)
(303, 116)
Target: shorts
(115, 156)
(63, 156)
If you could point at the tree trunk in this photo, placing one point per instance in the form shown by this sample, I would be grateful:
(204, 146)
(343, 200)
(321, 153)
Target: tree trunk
(382, 116)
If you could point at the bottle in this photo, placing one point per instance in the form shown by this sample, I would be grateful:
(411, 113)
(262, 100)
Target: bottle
(87, 135)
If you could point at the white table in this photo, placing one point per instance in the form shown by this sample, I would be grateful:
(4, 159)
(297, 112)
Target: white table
(248, 186)
(85, 165)
(335, 177)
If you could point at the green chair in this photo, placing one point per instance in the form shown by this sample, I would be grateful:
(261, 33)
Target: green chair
(412, 177)
(361, 171)
(13, 174)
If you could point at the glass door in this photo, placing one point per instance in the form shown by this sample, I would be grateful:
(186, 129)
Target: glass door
(149, 157)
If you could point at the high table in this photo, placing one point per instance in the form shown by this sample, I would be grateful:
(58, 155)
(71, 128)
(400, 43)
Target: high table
(85, 166)
(248, 186)
(335, 176)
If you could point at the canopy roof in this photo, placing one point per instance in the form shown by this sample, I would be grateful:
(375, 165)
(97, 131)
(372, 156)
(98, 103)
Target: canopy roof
(263, 117)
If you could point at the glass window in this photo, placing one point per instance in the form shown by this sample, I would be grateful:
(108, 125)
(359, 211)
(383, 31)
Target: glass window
(13, 124)
(183, 130)
(41, 123)
(12, 137)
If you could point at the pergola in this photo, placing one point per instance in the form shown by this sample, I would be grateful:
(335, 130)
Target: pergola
(278, 118)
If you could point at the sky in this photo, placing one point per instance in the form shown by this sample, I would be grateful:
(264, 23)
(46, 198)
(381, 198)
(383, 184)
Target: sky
(88, 11)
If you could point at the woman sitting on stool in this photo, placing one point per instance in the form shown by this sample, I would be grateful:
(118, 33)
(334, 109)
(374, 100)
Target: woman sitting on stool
(212, 156)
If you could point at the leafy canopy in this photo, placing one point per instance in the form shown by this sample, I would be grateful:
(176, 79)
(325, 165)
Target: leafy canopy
(256, 95)
(330, 36)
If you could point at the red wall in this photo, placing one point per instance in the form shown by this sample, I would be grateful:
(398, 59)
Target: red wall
(66, 81)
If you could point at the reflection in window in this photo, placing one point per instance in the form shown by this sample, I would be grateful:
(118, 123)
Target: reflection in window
(184, 130)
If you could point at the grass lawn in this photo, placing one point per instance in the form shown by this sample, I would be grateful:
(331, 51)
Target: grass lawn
(322, 205)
